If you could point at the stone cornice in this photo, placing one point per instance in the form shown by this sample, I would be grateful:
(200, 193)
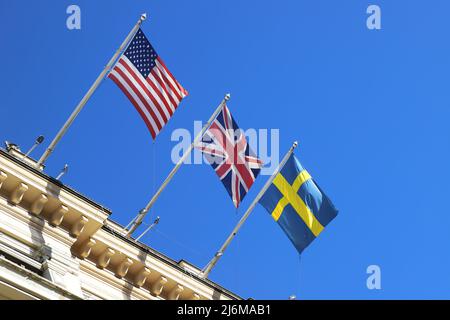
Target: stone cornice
(103, 252)
(57, 183)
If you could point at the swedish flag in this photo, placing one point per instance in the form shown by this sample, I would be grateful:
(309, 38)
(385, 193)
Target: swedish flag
(298, 204)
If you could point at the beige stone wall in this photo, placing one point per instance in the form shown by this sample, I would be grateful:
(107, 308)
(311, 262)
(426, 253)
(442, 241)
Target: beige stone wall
(57, 244)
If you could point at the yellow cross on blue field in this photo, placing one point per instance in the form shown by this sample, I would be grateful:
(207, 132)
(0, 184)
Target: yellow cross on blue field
(297, 204)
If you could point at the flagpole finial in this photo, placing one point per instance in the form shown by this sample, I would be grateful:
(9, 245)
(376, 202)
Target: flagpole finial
(227, 97)
(89, 93)
(295, 144)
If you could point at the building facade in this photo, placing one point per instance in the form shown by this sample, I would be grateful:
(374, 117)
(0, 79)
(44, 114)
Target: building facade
(56, 243)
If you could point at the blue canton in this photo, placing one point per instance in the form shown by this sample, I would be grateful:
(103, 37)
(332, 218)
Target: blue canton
(141, 54)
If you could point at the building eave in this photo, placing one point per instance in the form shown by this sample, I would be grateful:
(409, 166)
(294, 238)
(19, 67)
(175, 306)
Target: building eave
(171, 262)
(55, 182)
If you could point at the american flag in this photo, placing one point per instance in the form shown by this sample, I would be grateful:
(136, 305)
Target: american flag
(228, 152)
(144, 78)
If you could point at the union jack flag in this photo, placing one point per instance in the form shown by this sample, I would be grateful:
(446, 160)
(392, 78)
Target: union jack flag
(228, 152)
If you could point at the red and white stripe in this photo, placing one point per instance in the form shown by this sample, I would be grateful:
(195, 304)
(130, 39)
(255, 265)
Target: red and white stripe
(155, 98)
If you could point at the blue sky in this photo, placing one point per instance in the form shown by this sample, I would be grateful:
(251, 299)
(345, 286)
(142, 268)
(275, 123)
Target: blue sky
(369, 108)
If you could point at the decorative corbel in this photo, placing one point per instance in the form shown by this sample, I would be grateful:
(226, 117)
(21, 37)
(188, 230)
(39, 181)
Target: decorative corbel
(78, 227)
(87, 247)
(141, 277)
(158, 286)
(58, 215)
(176, 292)
(123, 267)
(38, 204)
(17, 195)
(195, 296)
(3, 177)
(105, 258)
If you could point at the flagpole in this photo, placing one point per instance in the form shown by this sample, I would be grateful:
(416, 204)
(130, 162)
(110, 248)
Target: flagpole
(88, 95)
(205, 272)
(136, 222)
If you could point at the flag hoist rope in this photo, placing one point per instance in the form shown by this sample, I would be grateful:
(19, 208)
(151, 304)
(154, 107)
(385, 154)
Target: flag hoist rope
(205, 272)
(87, 96)
(136, 222)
